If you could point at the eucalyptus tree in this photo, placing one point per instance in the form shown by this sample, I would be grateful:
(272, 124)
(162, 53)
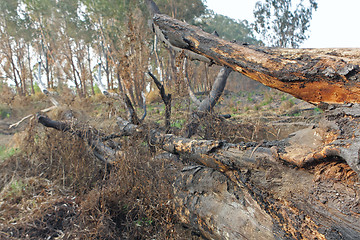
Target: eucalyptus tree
(43, 16)
(121, 42)
(228, 28)
(76, 41)
(282, 23)
(15, 37)
(187, 10)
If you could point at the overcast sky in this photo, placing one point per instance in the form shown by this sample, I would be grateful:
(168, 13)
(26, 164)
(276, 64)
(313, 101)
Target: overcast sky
(334, 24)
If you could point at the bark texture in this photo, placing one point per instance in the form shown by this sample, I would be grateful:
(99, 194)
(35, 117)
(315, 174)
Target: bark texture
(248, 191)
(251, 181)
(313, 75)
(302, 187)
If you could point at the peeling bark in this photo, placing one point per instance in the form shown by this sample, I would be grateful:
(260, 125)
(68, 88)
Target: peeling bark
(313, 75)
(338, 135)
(246, 190)
(320, 202)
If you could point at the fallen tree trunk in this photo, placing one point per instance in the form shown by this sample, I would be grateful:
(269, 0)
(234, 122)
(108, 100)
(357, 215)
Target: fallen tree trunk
(246, 190)
(313, 75)
(296, 188)
(319, 203)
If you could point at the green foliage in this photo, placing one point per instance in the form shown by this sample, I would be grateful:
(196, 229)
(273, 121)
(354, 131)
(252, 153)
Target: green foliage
(318, 110)
(143, 222)
(97, 89)
(227, 28)
(291, 102)
(37, 88)
(5, 152)
(281, 24)
(5, 111)
(249, 97)
(267, 101)
(16, 189)
(187, 10)
(179, 123)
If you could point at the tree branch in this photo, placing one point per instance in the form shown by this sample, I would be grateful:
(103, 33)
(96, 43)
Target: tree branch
(89, 135)
(313, 75)
(166, 99)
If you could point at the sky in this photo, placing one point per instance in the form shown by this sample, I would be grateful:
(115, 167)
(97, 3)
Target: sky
(335, 24)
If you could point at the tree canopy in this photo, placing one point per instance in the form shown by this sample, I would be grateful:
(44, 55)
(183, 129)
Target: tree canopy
(71, 38)
(281, 23)
(228, 28)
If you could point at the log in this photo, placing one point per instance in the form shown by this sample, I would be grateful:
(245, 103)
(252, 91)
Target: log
(209, 201)
(246, 191)
(313, 75)
(337, 136)
(255, 185)
(267, 190)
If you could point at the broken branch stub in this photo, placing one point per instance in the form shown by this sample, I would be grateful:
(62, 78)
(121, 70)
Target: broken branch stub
(313, 75)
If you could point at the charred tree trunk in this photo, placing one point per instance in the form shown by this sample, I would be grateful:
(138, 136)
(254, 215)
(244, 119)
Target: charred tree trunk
(166, 99)
(313, 75)
(321, 201)
(302, 187)
(326, 76)
(247, 191)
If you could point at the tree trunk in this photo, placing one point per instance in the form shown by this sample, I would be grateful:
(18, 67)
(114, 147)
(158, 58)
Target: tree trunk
(302, 187)
(90, 71)
(262, 195)
(246, 191)
(313, 75)
(30, 69)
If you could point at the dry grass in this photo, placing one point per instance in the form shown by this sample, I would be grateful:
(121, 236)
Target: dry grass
(55, 188)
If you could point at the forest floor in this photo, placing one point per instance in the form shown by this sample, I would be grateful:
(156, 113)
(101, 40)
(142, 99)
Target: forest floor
(52, 187)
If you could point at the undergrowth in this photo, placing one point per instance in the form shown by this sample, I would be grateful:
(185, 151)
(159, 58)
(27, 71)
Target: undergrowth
(53, 187)
(56, 189)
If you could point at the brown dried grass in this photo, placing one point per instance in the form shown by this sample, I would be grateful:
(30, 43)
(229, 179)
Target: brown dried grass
(63, 191)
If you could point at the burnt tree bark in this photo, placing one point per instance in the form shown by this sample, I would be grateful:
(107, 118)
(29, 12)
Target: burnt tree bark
(303, 187)
(247, 191)
(313, 75)
(263, 196)
(313, 201)
(205, 106)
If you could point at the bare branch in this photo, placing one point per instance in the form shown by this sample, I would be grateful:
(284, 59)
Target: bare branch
(191, 93)
(91, 136)
(217, 89)
(166, 99)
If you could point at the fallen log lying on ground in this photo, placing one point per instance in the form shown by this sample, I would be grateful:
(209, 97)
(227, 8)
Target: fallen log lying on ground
(255, 192)
(302, 187)
(329, 77)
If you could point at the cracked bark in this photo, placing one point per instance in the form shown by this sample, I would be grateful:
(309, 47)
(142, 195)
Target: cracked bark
(313, 75)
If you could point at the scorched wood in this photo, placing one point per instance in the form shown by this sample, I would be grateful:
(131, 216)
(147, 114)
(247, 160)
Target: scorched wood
(313, 75)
